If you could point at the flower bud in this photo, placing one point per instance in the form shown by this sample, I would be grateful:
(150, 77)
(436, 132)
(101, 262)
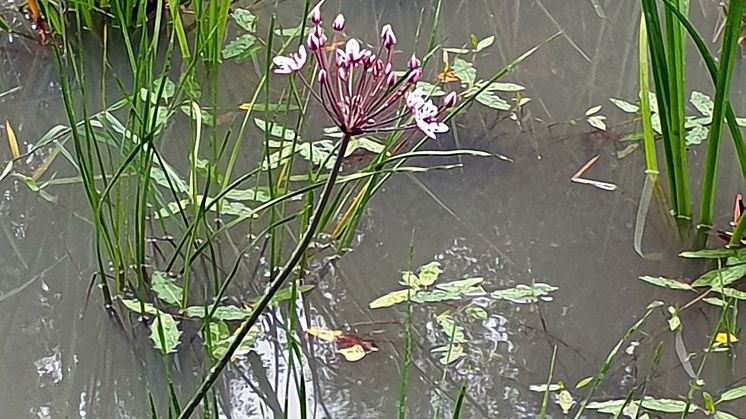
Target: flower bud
(339, 23)
(450, 100)
(323, 75)
(413, 63)
(387, 36)
(391, 79)
(313, 42)
(316, 14)
(342, 73)
(414, 76)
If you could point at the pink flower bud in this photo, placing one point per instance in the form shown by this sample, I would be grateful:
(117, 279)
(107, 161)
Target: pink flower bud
(387, 36)
(413, 63)
(450, 100)
(414, 76)
(387, 69)
(391, 79)
(342, 73)
(339, 23)
(323, 76)
(313, 42)
(316, 14)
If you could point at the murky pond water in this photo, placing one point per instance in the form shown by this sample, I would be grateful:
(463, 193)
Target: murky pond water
(510, 223)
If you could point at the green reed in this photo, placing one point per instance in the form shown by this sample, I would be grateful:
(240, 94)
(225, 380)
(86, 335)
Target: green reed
(666, 45)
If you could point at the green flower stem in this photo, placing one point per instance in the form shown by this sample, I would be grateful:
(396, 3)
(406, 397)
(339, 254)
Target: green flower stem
(276, 285)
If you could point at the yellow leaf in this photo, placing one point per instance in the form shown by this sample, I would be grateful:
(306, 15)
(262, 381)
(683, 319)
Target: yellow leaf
(447, 76)
(725, 338)
(12, 143)
(565, 401)
(353, 353)
(325, 335)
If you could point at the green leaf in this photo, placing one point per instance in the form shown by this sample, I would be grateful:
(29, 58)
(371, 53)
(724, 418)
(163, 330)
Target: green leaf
(733, 394)
(258, 194)
(284, 294)
(448, 357)
(524, 294)
(674, 322)
(624, 105)
(592, 110)
(503, 87)
(465, 71)
(696, 135)
(291, 32)
(598, 122)
(409, 279)
(430, 89)
(429, 274)
(392, 298)
(134, 305)
(584, 382)
(493, 101)
(166, 289)
(435, 296)
(708, 402)
(224, 313)
(240, 48)
(221, 340)
(367, 144)
(277, 130)
(730, 292)
(723, 415)
(565, 401)
(477, 312)
(543, 388)
(484, 43)
(708, 253)
(721, 277)
(171, 333)
(701, 102)
(463, 286)
(718, 302)
(667, 405)
(317, 152)
(245, 19)
(452, 330)
(667, 283)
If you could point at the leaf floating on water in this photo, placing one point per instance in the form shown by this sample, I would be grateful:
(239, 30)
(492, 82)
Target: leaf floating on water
(584, 382)
(429, 273)
(223, 313)
(724, 338)
(526, 294)
(450, 353)
(543, 388)
(708, 253)
(733, 394)
(477, 312)
(667, 283)
(12, 143)
(723, 415)
(565, 401)
(166, 289)
(134, 305)
(674, 322)
(325, 335)
(624, 105)
(353, 353)
(168, 342)
(392, 298)
(592, 110)
(721, 277)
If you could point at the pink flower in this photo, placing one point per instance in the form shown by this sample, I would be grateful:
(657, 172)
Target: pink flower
(413, 63)
(352, 52)
(425, 113)
(450, 100)
(339, 23)
(292, 63)
(387, 36)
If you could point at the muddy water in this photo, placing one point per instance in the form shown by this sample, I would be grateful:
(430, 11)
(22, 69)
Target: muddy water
(511, 223)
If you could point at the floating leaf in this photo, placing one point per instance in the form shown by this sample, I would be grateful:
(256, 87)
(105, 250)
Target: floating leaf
(524, 294)
(565, 401)
(429, 274)
(597, 121)
(504, 87)
(667, 405)
(667, 283)
(134, 305)
(166, 289)
(466, 286)
(721, 277)
(447, 76)
(452, 330)
(430, 89)
(543, 388)
(284, 294)
(353, 353)
(674, 322)
(477, 312)
(224, 313)
(592, 110)
(708, 254)
(325, 335)
(221, 341)
(584, 382)
(465, 71)
(723, 415)
(696, 135)
(275, 130)
(493, 101)
(435, 296)
(724, 338)
(12, 142)
(733, 394)
(701, 102)
(624, 105)
(484, 43)
(171, 333)
(391, 298)
(245, 19)
(449, 356)
(258, 194)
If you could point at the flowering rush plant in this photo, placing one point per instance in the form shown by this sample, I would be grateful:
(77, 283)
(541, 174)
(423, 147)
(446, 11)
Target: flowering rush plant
(359, 89)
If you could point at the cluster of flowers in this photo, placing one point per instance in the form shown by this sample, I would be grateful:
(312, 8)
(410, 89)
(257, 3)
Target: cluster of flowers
(359, 89)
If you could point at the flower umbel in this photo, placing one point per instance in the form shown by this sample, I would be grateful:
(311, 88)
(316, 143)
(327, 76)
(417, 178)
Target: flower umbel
(359, 89)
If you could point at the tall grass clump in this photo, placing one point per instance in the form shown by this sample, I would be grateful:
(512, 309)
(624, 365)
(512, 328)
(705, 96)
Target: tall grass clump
(665, 41)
